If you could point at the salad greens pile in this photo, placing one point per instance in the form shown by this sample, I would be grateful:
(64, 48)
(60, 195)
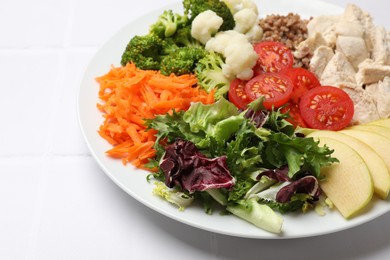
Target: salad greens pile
(247, 161)
(251, 162)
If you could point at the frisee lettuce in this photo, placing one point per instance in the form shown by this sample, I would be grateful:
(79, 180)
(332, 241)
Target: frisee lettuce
(251, 140)
(221, 129)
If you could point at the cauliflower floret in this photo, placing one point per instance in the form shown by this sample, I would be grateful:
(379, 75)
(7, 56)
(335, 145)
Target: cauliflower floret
(239, 54)
(245, 14)
(247, 23)
(205, 25)
(237, 5)
(255, 34)
(244, 19)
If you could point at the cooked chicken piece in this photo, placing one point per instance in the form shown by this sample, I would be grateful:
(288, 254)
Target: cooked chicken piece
(383, 98)
(380, 51)
(370, 72)
(371, 90)
(309, 45)
(380, 92)
(364, 105)
(354, 48)
(349, 28)
(350, 52)
(388, 47)
(320, 59)
(355, 14)
(326, 26)
(338, 69)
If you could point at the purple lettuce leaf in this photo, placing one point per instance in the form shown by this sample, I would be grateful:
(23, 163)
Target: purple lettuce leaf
(307, 185)
(184, 165)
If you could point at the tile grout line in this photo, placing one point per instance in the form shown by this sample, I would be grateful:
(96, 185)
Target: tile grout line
(37, 157)
(47, 156)
(55, 48)
(214, 248)
(69, 28)
(48, 49)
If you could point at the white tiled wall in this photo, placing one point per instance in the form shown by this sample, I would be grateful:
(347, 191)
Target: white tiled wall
(45, 46)
(26, 112)
(33, 24)
(51, 190)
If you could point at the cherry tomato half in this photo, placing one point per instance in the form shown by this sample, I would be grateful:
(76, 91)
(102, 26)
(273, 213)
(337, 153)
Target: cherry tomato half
(326, 107)
(303, 80)
(273, 56)
(237, 94)
(295, 115)
(275, 87)
(257, 70)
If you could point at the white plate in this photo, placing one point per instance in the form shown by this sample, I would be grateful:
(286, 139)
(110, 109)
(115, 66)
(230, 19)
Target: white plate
(133, 181)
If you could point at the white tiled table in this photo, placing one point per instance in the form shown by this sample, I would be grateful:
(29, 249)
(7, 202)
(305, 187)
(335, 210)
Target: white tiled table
(55, 202)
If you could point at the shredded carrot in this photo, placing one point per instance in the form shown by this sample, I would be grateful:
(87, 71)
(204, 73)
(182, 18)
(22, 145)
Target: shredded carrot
(129, 96)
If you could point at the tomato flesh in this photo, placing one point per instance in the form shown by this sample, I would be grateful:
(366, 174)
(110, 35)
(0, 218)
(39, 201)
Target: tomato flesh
(237, 94)
(276, 89)
(273, 56)
(257, 70)
(295, 115)
(303, 80)
(327, 108)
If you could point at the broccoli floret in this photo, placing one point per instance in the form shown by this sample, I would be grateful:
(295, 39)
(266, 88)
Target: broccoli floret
(195, 7)
(182, 61)
(167, 24)
(144, 51)
(168, 46)
(210, 76)
(183, 38)
(150, 52)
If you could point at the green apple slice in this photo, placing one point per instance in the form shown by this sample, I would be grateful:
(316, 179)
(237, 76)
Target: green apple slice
(377, 167)
(382, 130)
(381, 122)
(379, 143)
(348, 184)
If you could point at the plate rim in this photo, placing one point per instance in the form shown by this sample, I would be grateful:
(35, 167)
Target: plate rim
(157, 208)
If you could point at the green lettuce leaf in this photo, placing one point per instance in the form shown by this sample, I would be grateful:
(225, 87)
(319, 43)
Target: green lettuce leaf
(218, 121)
(301, 154)
(174, 196)
(258, 214)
